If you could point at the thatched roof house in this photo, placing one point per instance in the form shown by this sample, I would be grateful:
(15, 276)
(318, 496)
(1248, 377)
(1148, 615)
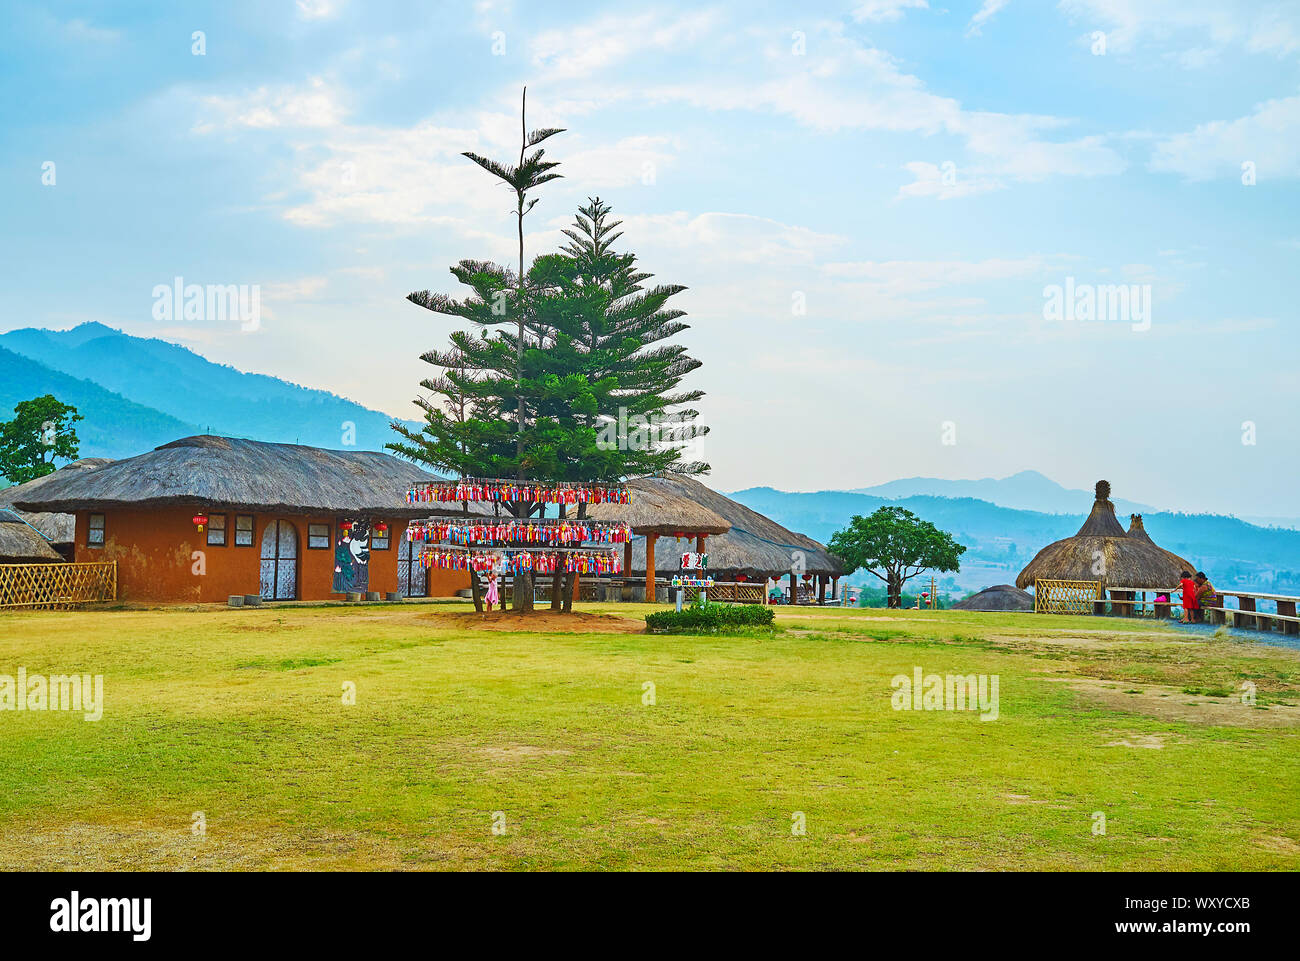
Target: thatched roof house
(1103, 551)
(57, 528)
(205, 518)
(749, 544)
(1000, 597)
(227, 472)
(22, 544)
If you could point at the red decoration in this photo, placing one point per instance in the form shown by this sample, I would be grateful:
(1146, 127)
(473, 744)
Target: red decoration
(346, 526)
(381, 527)
(200, 521)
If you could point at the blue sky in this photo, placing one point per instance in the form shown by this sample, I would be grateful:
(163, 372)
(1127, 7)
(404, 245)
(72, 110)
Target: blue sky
(914, 174)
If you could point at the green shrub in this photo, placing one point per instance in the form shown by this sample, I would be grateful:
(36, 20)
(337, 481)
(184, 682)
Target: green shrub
(710, 619)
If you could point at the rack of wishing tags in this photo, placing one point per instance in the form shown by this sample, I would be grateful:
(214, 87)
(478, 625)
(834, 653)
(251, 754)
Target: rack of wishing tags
(513, 545)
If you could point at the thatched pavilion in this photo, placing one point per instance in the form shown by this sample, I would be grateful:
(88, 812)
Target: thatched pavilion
(1103, 551)
(658, 510)
(207, 517)
(749, 546)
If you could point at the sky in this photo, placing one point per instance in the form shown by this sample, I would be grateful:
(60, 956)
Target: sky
(874, 205)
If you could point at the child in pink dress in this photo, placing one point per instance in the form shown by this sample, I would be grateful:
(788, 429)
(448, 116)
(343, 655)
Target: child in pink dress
(492, 596)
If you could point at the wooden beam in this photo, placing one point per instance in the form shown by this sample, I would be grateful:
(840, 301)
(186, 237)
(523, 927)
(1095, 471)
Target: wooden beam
(650, 567)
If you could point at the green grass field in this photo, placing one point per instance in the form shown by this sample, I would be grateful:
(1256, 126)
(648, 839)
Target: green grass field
(240, 715)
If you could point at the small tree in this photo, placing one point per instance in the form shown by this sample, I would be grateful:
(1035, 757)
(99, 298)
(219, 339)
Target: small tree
(895, 545)
(40, 431)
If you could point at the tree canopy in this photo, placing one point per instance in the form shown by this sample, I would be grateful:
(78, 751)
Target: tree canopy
(41, 431)
(895, 545)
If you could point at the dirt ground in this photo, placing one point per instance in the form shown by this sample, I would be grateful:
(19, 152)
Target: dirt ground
(539, 620)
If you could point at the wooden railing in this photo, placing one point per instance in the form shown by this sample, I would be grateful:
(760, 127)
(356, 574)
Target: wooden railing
(1134, 600)
(57, 586)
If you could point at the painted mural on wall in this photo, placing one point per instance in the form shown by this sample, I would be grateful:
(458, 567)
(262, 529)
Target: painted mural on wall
(352, 557)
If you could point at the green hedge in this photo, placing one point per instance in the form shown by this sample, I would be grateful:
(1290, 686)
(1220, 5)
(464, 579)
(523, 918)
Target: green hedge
(710, 617)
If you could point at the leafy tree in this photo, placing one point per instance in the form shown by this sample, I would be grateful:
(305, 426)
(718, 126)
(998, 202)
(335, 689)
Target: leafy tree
(895, 545)
(42, 430)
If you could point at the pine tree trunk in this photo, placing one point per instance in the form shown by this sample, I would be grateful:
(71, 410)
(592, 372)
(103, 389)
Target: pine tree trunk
(476, 590)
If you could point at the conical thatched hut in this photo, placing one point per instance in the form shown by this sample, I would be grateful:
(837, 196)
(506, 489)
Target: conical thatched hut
(1000, 597)
(1103, 551)
(1138, 530)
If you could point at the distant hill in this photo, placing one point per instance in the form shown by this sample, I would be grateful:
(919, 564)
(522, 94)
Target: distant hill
(188, 392)
(1028, 490)
(1001, 540)
(113, 425)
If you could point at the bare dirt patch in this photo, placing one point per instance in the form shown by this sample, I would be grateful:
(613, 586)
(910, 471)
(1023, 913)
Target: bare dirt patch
(1172, 704)
(1151, 741)
(518, 752)
(541, 621)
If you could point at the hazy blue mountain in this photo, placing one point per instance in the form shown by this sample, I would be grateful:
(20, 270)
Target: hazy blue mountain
(1028, 490)
(113, 427)
(217, 398)
(1001, 540)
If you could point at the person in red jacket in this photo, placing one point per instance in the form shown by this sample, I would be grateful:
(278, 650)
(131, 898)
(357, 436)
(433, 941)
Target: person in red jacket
(1190, 604)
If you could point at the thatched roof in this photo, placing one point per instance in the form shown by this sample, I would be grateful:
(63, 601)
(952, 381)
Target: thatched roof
(227, 473)
(1000, 597)
(1138, 530)
(58, 528)
(755, 546)
(656, 508)
(19, 544)
(1102, 550)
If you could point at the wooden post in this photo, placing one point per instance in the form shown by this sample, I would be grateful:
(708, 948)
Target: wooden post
(699, 543)
(821, 589)
(1287, 609)
(794, 588)
(835, 588)
(650, 567)
(1247, 606)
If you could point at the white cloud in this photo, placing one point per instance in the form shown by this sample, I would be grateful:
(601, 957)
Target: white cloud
(1271, 26)
(932, 180)
(583, 50)
(731, 238)
(896, 278)
(985, 13)
(1266, 138)
(881, 11)
(319, 9)
(840, 84)
(316, 105)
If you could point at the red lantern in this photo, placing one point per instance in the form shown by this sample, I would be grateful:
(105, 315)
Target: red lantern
(345, 526)
(381, 527)
(200, 521)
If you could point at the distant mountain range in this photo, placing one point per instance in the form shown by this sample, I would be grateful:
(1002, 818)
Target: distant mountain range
(136, 393)
(1001, 540)
(1028, 490)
